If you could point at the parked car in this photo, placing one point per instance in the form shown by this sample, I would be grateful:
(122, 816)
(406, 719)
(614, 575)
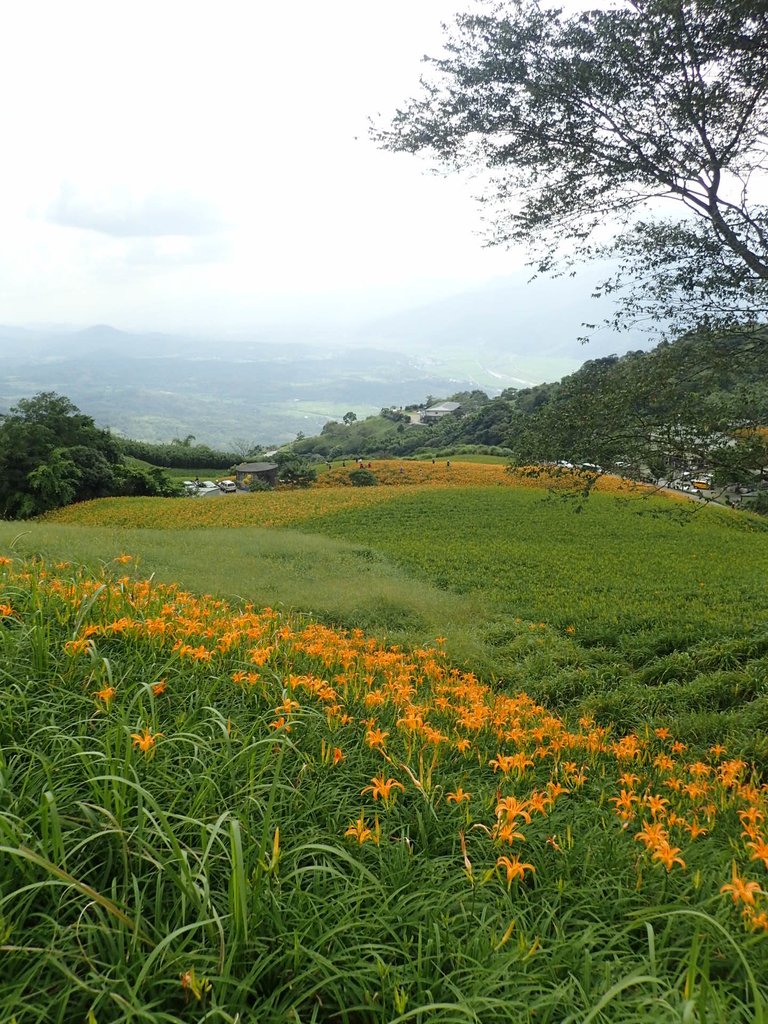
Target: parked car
(228, 486)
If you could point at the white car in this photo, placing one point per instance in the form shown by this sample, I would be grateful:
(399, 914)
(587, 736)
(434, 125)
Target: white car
(228, 486)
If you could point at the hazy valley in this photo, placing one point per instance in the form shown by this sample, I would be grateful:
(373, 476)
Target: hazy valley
(278, 380)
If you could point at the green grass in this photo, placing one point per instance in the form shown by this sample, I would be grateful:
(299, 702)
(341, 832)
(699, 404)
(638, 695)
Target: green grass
(151, 887)
(665, 603)
(156, 888)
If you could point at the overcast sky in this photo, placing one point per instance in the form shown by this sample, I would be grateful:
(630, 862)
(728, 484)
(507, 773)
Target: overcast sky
(180, 164)
(201, 165)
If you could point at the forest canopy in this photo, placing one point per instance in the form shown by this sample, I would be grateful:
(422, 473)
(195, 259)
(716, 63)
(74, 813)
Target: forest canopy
(607, 118)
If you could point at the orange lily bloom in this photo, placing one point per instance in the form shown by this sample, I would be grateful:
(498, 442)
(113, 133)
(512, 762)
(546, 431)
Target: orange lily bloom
(145, 740)
(458, 796)
(760, 847)
(381, 787)
(667, 855)
(741, 891)
(106, 694)
(514, 868)
(359, 830)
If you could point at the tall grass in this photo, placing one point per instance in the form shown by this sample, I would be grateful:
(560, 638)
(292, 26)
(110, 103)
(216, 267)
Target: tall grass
(177, 836)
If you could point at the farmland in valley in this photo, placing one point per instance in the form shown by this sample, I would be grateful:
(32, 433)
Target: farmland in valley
(463, 748)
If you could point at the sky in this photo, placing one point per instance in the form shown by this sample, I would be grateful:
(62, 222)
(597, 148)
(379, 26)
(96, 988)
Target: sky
(191, 165)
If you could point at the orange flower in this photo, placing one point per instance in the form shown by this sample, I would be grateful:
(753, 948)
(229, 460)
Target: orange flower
(667, 855)
(458, 796)
(145, 740)
(695, 829)
(338, 755)
(376, 738)
(514, 868)
(381, 787)
(510, 808)
(657, 805)
(652, 835)
(106, 694)
(625, 801)
(741, 891)
(159, 688)
(78, 646)
(359, 830)
(760, 847)
(628, 779)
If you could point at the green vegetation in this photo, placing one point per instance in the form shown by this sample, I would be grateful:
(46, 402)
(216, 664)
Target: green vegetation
(700, 402)
(650, 608)
(178, 454)
(215, 813)
(51, 455)
(581, 121)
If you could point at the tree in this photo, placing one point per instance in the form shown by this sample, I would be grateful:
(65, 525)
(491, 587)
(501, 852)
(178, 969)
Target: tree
(693, 403)
(294, 471)
(604, 116)
(349, 417)
(52, 454)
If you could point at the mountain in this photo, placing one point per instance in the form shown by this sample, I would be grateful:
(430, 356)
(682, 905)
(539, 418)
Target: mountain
(282, 379)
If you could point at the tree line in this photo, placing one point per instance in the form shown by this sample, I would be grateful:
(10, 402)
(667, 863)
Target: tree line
(51, 454)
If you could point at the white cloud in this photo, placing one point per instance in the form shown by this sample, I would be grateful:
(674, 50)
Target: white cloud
(123, 215)
(199, 160)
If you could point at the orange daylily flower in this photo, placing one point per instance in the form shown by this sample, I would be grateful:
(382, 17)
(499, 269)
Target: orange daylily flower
(514, 868)
(760, 848)
(667, 855)
(360, 831)
(741, 891)
(381, 787)
(457, 796)
(106, 694)
(376, 738)
(145, 740)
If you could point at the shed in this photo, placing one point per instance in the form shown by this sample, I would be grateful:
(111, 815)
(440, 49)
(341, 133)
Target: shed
(248, 471)
(437, 412)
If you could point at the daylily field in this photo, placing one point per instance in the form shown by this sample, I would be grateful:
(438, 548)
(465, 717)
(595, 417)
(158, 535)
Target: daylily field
(213, 810)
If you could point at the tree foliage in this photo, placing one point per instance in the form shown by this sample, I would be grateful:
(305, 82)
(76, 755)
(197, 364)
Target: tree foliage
(294, 471)
(602, 117)
(697, 402)
(51, 454)
(182, 454)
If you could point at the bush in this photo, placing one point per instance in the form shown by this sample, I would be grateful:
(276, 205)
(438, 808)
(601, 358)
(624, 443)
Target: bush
(362, 478)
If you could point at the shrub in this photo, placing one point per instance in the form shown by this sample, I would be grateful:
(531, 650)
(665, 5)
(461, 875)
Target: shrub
(362, 478)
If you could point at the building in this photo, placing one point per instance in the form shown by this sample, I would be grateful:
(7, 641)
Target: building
(246, 472)
(437, 412)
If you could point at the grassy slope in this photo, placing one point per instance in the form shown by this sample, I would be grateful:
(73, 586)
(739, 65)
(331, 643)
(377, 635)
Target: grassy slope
(652, 609)
(329, 931)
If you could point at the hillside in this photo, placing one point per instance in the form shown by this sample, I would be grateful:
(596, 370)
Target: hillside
(442, 751)
(294, 374)
(680, 404)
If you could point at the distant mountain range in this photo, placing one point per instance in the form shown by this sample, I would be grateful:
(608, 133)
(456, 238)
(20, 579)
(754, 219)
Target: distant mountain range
(284, 379)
